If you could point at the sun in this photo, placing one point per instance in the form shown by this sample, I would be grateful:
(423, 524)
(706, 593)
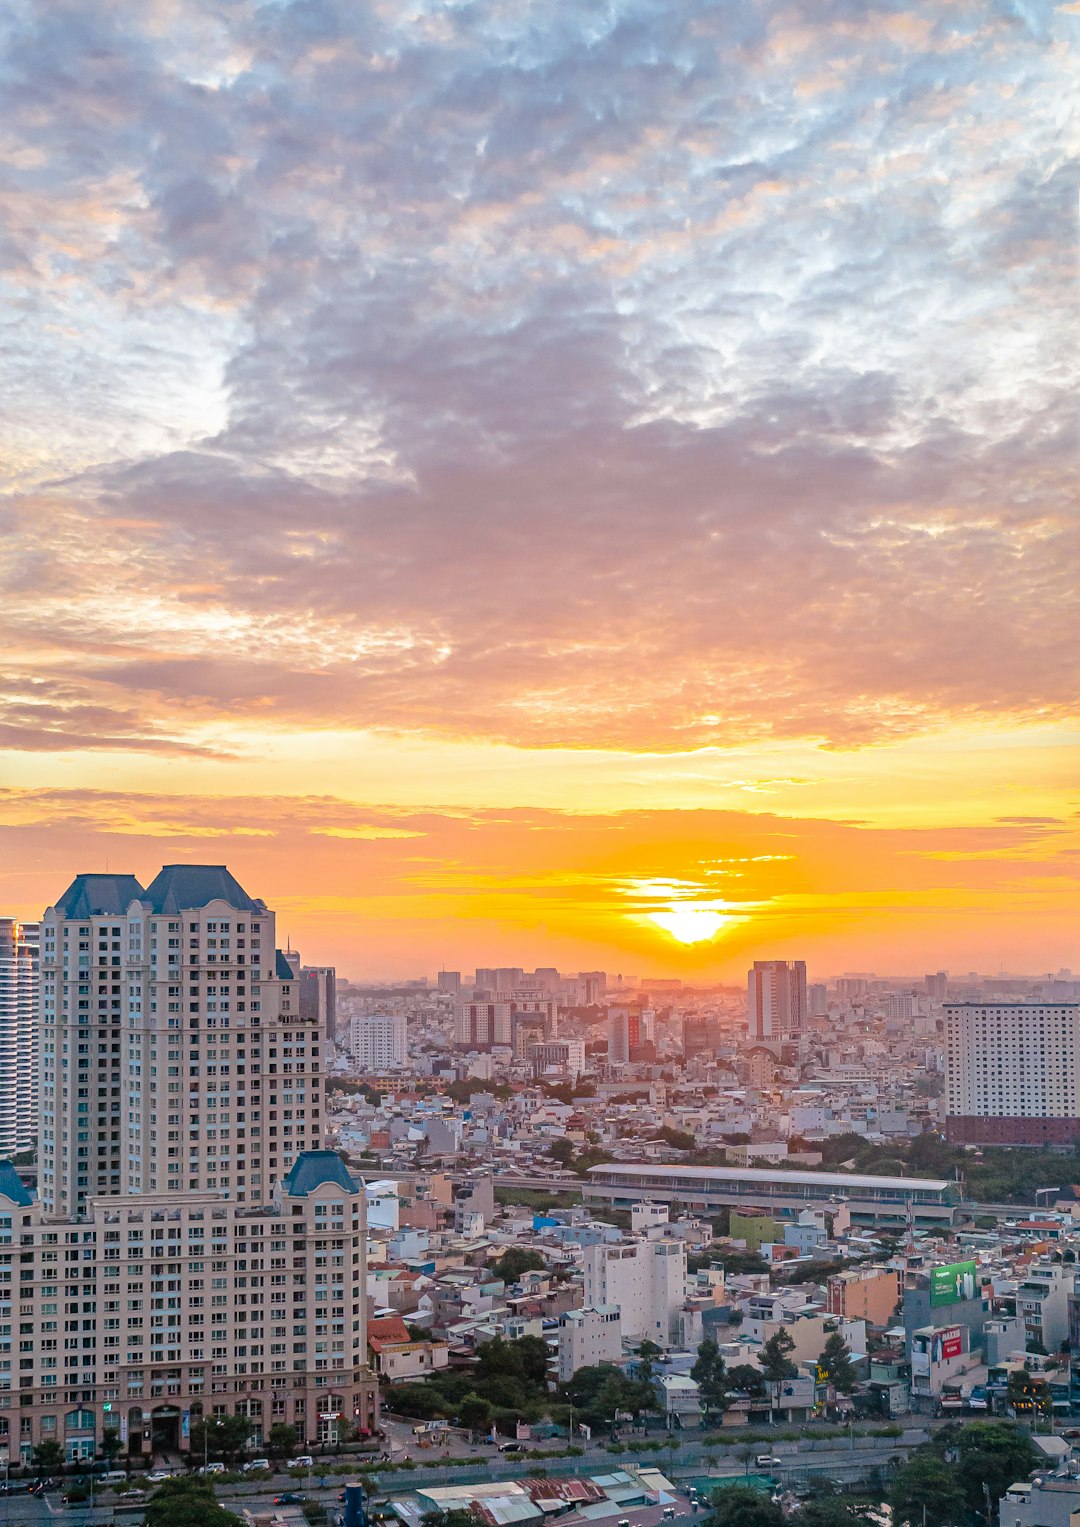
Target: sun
(690, 925)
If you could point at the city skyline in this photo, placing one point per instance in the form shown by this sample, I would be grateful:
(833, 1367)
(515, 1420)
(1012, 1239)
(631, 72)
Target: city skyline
(578, 486)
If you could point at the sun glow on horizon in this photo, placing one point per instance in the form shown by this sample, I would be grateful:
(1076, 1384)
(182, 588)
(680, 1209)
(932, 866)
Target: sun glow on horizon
(690, 925)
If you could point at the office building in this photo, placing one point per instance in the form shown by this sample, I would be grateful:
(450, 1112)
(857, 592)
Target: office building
(937, 986)
(19, 986)
(567, 1056)
(646, 1279)
(277, 1334)
(900, 1005)
(700, 1036)
(318, 997)
(631, 1035)
(378, 1041)
(818, 999)
(173, 1054)
(449, 981)
(776, 999)
(480, 1023)
(1012, 1073)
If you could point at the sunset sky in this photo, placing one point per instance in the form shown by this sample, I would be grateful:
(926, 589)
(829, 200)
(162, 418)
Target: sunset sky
(504, 475)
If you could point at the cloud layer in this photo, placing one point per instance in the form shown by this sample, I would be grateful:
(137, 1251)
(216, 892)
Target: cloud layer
(630, 375)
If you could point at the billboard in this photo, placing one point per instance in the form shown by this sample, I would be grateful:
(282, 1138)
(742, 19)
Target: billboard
(952, 1284)
(947, 1344)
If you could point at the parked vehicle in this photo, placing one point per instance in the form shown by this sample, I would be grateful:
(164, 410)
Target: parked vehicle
(255, 1464)
(290, 1498)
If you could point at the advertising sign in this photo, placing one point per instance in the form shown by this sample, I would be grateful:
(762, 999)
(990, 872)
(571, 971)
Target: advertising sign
(952, 1284)
(947, 1344)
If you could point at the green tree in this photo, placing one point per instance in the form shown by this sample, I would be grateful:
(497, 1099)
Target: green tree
(475, 1413)
(515, 1262)
(110, 1445)
(742, 1506)
(188, 1502)
(829, 1506)
(836, 1365)
(710, 1375)
(993, 1456)
(281, 1440)
(776, 1364)
(220, 1436)
(747, 1378)
(926, 1484)
(562, 1152)
(457, 1516)
(48, 1458)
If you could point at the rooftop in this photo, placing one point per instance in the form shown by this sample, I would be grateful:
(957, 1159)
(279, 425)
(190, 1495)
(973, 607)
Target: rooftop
(184, 887)
(312, 1169)
(99, 896)
(721, 1174)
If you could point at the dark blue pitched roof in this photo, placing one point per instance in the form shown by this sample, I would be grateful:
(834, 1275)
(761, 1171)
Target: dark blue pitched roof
(99, 896)
(13, 1187)
(282, 969)
(312, 1168)
(183, 887)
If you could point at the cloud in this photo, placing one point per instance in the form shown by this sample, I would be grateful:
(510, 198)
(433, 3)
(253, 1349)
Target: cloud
(644, 376)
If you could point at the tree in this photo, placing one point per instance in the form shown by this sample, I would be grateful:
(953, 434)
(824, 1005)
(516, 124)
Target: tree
(993, 1456)
(475, 1413)
(48, 1458)
(710, 1375)
(188, 1502)
(281, 1440)
(742, 1506)
(746, 1378)
(829, 1506)
(926, 1493)
(110, 1445)
(457, 1516)
(225, 1436)
(835, 1365)
(515, 1262)
(562, 1152)
(776, 1365)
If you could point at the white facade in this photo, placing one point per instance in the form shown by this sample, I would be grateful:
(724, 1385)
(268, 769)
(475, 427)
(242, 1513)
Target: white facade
(563, 1055)
(1012, 1060)
(646, 1279)
(379, 1041)
(19, 987)
(588, 1337)
(776, 998)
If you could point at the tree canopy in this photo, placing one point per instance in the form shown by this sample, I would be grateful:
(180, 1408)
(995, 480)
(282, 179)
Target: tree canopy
(188, 1502)
(742, 1506)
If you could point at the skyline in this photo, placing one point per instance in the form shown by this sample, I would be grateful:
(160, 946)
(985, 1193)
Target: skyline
(508, 480)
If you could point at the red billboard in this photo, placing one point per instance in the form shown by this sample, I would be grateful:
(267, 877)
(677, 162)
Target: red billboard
(947, 1343)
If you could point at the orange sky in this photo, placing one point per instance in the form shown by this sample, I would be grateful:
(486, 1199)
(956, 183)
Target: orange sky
(513, 481)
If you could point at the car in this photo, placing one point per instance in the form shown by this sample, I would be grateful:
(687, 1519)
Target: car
(624, 1521)
(159, 1476)
(212, 1468)
(257, 1463)
(766, 1461)
(305, 1461)
(290, 1498)
(669, 1513)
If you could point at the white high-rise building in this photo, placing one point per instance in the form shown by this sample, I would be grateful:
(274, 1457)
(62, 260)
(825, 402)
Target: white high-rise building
(776, 999)
(588, 1338)
(378, 1041)
(19, 983)
(1012, 1073)
(173, 1054)
(646, 1279)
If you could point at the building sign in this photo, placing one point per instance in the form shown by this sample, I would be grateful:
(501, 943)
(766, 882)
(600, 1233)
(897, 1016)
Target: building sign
(947, 1344)
(952, 1284)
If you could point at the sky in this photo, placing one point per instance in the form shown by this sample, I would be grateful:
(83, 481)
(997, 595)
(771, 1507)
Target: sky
(539, 482)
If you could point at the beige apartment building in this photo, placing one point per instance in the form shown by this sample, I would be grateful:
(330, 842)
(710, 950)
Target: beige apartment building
(193, 1251)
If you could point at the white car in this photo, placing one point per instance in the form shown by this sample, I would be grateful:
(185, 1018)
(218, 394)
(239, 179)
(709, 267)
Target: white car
(212, 1468)
(158, 1476)
(303, 1462)
(257, 1463)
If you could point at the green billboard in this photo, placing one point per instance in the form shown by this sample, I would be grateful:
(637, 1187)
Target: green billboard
(952, 1284)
